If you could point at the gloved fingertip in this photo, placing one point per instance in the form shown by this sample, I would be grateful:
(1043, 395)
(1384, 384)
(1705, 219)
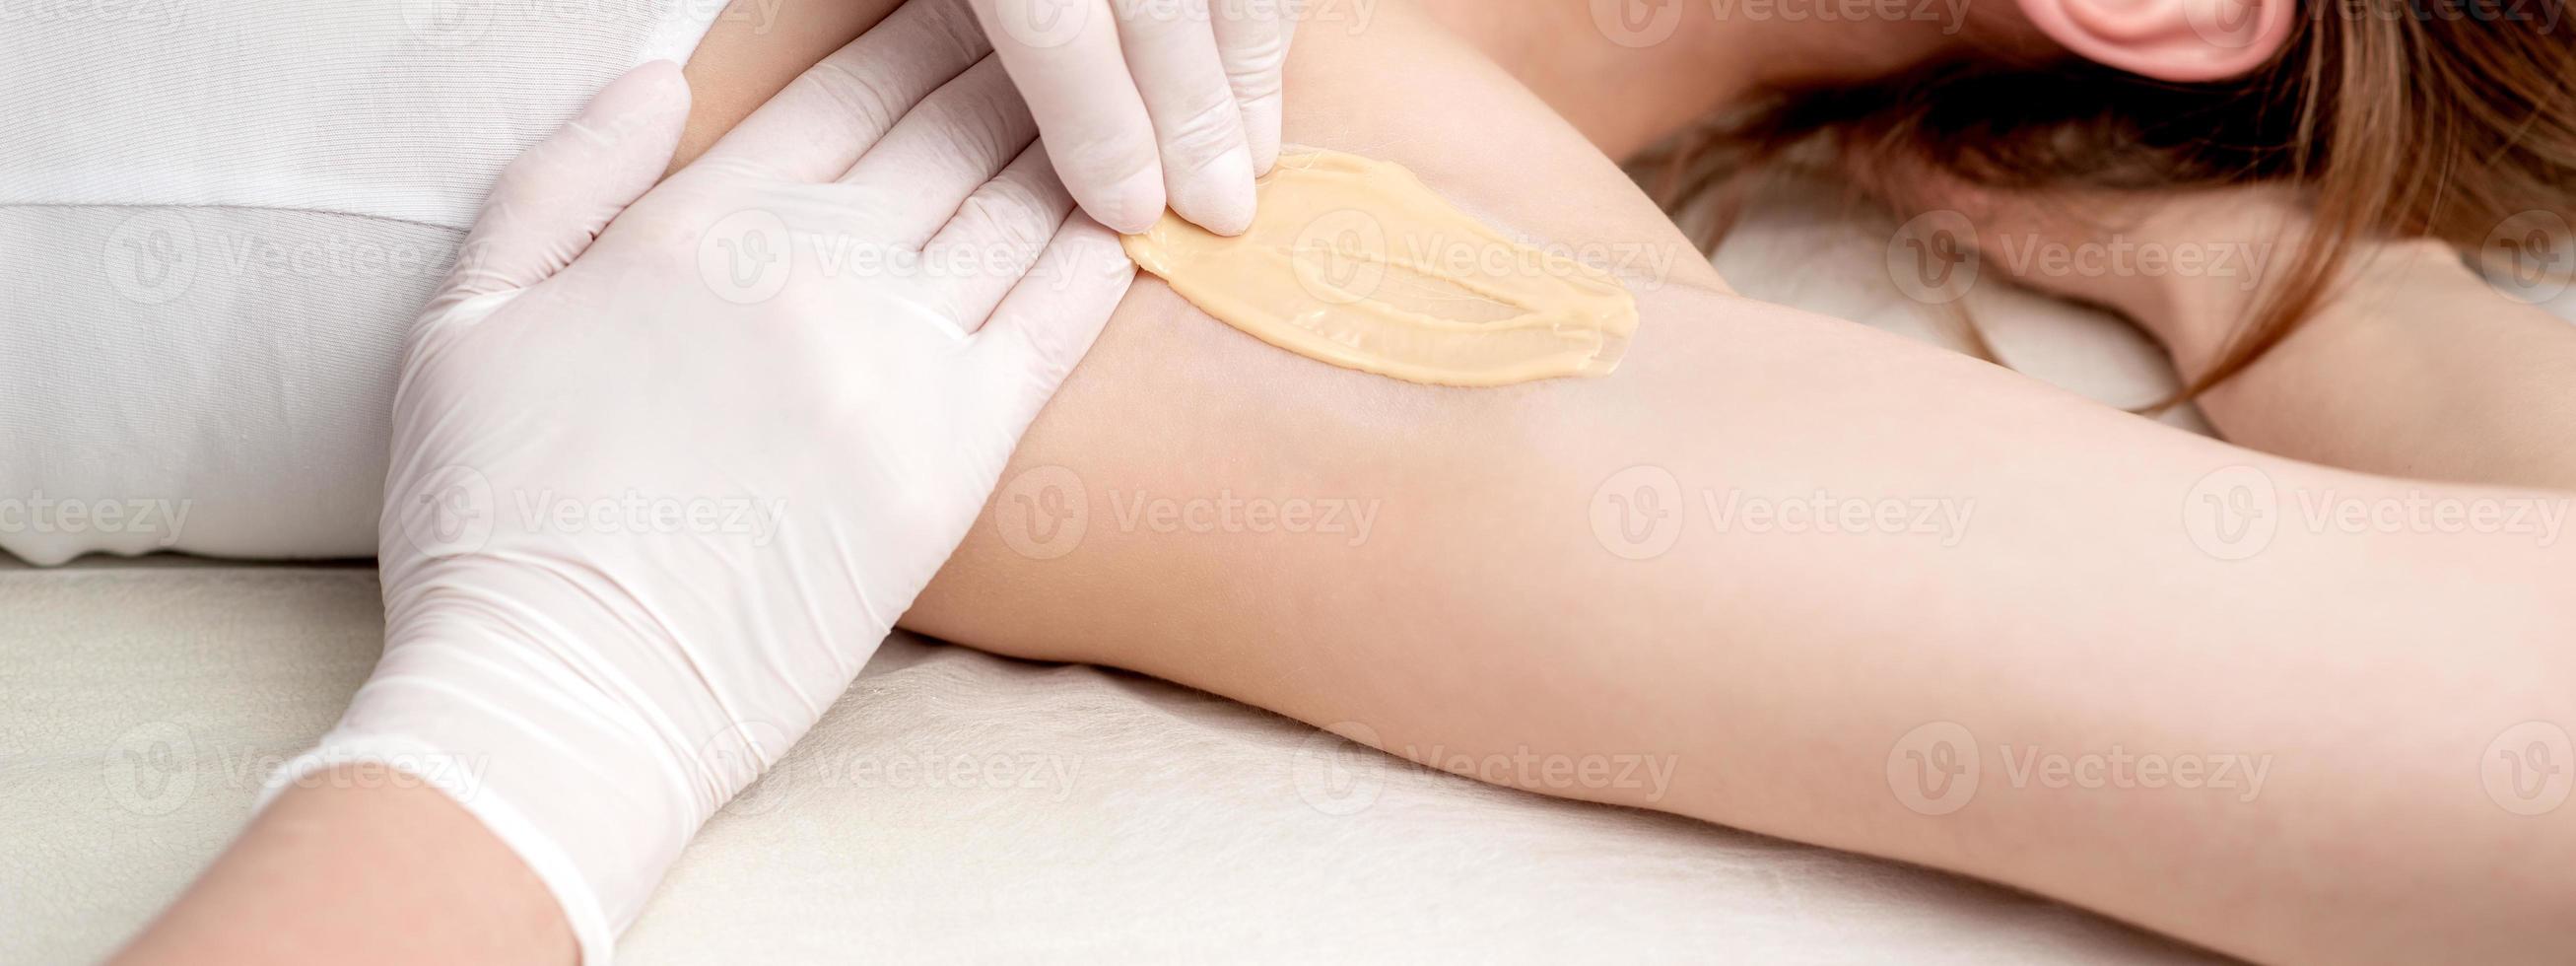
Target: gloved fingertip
(1261, 125)
(1132, 205)
(655, 85)
(553, 200)
(669, 79)
(1265, 155)
(1219, 197)
(652, 97)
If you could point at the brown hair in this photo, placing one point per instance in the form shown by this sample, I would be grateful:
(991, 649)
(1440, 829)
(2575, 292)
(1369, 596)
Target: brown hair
(2434, 118)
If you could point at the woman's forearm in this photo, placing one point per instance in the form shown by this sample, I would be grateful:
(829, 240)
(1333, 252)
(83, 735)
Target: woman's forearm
(2410, 365)
(2417, 368)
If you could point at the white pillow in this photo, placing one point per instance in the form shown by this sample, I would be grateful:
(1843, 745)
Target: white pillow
(216, 218)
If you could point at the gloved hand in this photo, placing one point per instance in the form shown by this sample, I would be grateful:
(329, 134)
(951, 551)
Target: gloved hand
(1143, 97)
(656, 497)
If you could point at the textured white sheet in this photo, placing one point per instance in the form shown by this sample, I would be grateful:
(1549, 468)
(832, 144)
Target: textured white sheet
(1161, 824)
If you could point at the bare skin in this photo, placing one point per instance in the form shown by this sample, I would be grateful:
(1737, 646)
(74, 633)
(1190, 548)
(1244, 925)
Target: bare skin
(362, 865)
(2411, 366)
(2415, 366)
(1489, 612)
(2418, 368)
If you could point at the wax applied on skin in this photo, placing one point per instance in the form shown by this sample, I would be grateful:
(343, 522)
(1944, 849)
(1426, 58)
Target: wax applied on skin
(1357, 263)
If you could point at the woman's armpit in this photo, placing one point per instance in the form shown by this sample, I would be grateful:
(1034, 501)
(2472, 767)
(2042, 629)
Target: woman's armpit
(1389, 83)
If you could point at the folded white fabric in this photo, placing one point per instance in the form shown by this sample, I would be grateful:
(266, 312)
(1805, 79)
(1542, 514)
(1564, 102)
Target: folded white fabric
(216, 220)
(656, 498)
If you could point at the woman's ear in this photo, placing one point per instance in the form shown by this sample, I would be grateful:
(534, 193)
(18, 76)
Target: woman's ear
(2176, 40)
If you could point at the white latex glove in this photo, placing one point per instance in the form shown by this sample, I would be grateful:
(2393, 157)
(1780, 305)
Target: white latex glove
(1147, 99)
(655, 498)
